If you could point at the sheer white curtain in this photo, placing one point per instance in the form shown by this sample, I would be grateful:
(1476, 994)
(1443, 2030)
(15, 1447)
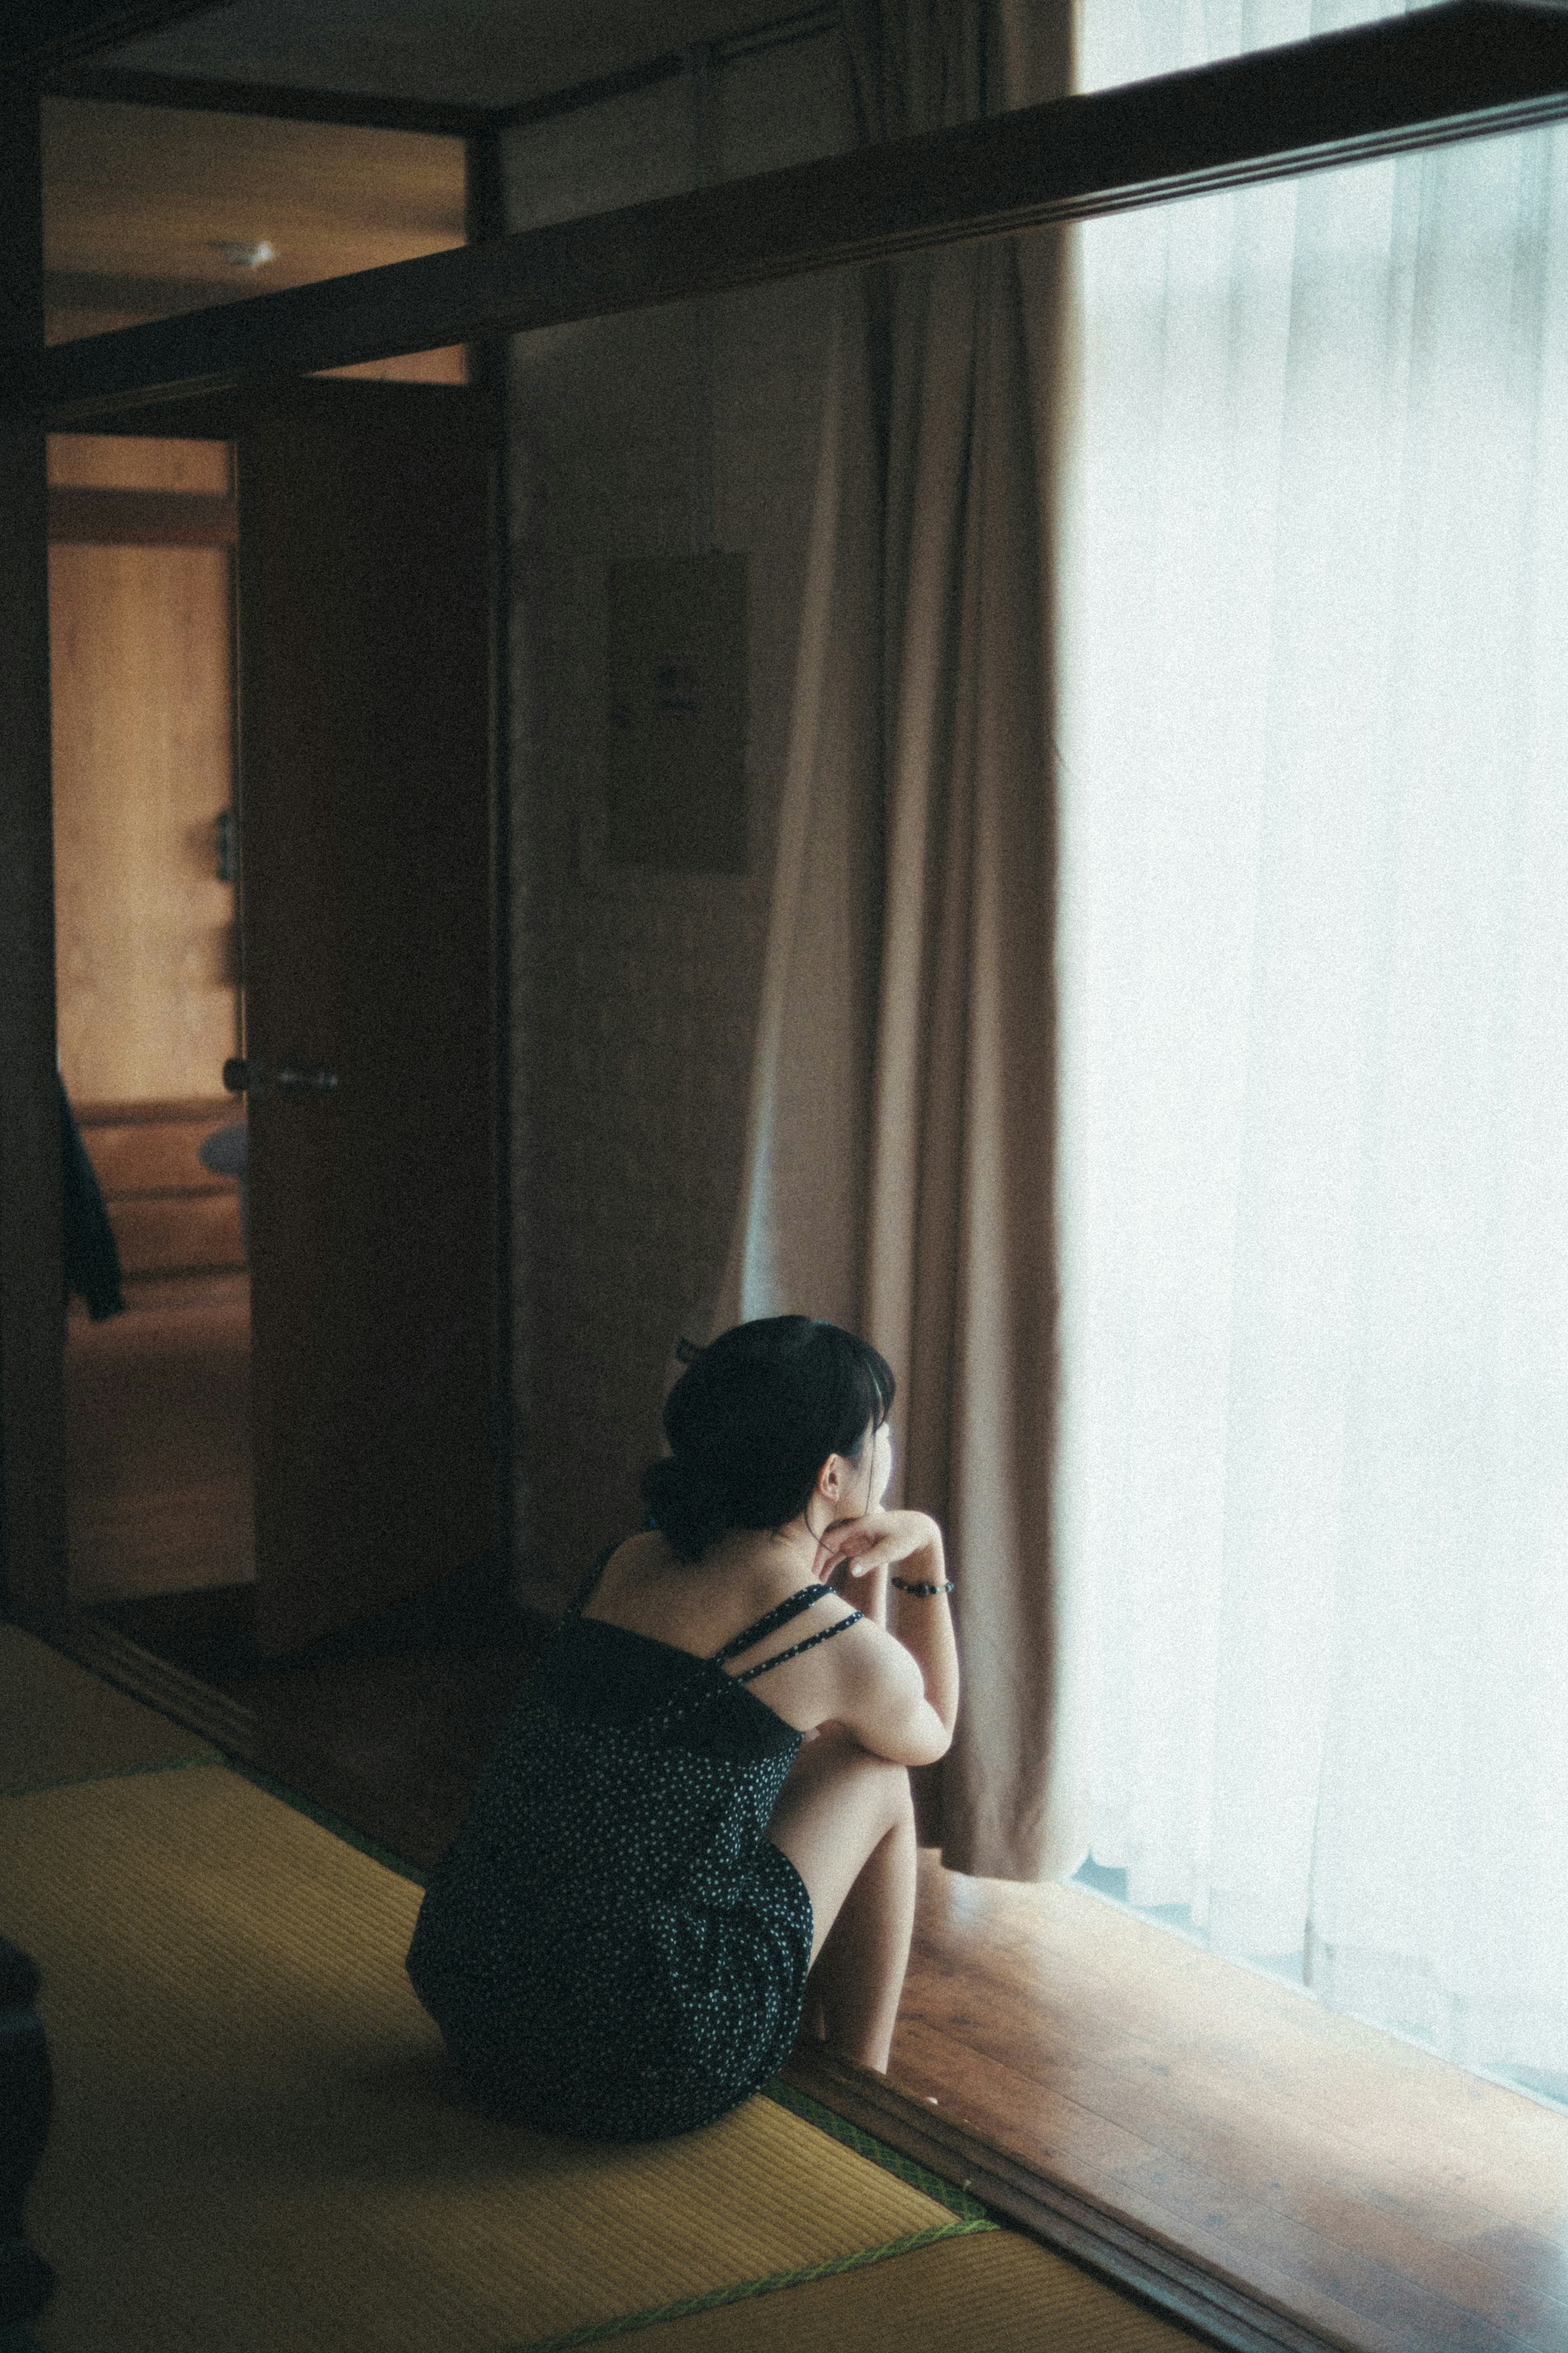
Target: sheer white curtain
(1313, 1158)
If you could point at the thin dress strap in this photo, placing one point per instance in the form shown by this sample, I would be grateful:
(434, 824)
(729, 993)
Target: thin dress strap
(781, 1616)
(776, 1618)
(810, 1643)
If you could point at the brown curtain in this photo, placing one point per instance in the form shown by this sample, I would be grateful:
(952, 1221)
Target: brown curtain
(899, 1153)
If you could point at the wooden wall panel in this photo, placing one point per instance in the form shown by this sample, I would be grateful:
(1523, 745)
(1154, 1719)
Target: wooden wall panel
(144, 199)
(141, 200)
(142, 737)
(125, 461)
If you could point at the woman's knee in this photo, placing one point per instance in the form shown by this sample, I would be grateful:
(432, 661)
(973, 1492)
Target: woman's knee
(880, 1785)
(833, 1771)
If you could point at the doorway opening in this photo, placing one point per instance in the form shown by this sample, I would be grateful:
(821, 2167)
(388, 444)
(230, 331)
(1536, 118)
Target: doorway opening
(287, 1458)
(150, 1007)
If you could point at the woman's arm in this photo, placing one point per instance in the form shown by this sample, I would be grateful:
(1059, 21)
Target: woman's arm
(923, 1623)
(890, 1710)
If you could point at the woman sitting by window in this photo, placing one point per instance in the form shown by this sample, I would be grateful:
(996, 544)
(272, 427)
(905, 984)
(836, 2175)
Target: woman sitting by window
(668, 1864)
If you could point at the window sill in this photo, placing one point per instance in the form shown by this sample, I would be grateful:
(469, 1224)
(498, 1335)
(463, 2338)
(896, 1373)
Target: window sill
(1211, 2140)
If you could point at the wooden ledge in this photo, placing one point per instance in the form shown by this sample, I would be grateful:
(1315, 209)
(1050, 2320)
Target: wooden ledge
(1156, 2275)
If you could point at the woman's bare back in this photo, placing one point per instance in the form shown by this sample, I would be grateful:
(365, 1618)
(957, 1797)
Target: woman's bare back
(701, 1606)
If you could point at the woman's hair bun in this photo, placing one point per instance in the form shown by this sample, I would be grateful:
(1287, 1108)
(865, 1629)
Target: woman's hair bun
(690, 1508)
(752, 1421)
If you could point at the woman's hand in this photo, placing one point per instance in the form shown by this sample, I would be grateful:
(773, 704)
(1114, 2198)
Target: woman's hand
(876, 1540)
(870, 1548)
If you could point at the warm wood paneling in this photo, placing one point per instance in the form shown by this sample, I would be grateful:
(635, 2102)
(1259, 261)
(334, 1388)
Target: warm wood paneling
(143, 733)
(140, 202)
(127, 461)
(154, 193)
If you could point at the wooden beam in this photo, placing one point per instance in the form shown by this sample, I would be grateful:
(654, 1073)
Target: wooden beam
(289, 102)
(32, 1315)
(225, 416)
(1463, 69)
(132, 297)
(98, 518)
(125, 85)
(646, 74)
(42, 35)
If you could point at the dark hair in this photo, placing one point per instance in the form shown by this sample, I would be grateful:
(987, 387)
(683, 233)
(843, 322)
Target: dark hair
(753, 1421)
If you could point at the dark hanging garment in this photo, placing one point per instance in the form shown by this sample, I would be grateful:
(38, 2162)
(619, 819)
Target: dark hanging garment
(92, 1258)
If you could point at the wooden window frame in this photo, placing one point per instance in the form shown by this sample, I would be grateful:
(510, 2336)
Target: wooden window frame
(1463, 70)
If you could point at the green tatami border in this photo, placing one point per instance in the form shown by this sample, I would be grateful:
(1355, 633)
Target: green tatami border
(593, 2331)
(112, 1773)
(327, 1820)
(865, 2144)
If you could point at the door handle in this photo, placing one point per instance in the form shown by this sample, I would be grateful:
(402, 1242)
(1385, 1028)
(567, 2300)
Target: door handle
(243, 1078)
(307, 1079)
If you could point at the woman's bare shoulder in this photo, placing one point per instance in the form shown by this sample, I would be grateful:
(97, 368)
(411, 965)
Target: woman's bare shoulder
(696, 1605)
(629, 1566)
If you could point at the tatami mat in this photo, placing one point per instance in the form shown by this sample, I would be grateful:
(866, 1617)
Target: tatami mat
(255, 2148)
(252, 2145)
(58, 1723)
(998, 2293)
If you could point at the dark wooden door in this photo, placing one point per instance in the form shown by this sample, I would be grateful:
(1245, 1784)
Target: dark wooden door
(364, 724)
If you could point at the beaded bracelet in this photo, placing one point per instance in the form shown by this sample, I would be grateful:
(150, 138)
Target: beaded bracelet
(924, 1591)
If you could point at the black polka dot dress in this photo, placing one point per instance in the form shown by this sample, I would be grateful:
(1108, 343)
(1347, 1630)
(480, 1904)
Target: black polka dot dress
(612, 1947)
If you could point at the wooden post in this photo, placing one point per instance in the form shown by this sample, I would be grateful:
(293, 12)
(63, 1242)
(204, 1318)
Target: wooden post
(489, 373)
(32, 1323)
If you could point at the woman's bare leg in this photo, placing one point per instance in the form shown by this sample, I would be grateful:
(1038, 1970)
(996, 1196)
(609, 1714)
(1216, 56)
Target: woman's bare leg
(845, 1820)
(859, 1976)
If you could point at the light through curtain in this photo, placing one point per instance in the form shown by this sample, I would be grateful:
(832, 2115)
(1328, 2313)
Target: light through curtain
(898, 1159)
(1313, 1152)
